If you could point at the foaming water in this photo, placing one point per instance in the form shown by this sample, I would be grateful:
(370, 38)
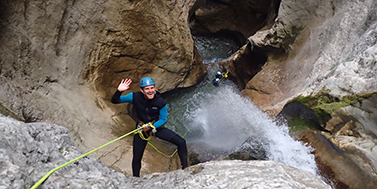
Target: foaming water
(225, 121)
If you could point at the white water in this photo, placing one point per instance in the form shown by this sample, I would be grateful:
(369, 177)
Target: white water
(225, 121)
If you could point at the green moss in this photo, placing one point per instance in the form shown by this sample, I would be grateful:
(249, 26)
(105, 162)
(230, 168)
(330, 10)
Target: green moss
(298, 124)
(323, 104)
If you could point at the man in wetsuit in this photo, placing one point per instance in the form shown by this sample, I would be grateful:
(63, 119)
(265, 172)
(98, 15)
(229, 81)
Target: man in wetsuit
(219, 76)
(150, 108)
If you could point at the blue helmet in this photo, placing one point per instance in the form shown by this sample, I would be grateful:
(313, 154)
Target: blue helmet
(146, 81)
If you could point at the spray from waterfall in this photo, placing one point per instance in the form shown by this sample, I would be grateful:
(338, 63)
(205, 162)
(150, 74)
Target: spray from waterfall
(223, 122)
(226, 121)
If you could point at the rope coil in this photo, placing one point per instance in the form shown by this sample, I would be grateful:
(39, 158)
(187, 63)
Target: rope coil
(140, 132)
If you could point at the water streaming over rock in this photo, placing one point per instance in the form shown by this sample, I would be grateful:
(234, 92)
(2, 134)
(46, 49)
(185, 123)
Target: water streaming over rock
(223, 122)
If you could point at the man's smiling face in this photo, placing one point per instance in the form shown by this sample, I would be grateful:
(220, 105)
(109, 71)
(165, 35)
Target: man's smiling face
(149, 91)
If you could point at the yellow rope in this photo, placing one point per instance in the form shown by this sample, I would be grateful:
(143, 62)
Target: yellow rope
(225, 76)
(168, 156)
(138, 130)
(65, 164)
(162, 152)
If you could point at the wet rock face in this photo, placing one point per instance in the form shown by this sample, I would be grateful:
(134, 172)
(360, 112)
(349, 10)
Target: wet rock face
(251, 149)
(238, 18)
(342, 168)
(296, 109)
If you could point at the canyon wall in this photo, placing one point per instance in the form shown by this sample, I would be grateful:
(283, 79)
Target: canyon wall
(62, 60)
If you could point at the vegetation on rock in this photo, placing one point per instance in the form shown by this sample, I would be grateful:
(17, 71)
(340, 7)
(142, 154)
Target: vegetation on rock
(323, 104)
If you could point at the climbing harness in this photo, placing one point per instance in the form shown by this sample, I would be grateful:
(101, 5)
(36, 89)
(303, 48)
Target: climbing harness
(141, 133)
(65, 164)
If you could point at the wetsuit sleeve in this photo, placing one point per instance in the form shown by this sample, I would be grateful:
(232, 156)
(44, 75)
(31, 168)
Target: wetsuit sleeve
(117, 98)
(163, 117)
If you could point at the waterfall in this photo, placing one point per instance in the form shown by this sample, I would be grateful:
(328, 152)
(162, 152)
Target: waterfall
(226, 122)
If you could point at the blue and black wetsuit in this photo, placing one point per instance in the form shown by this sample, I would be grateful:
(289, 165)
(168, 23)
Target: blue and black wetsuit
(153, 110)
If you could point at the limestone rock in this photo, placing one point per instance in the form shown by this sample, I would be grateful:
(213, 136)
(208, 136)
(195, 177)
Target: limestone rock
(28, 151)
(362, 141)
(347, 129)
(239, 18)
(333, 123)
(245, 64)
(234, 174)
(62, 60)
(364, 113)
(308, 50)
(338, 166)
(361, 149)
